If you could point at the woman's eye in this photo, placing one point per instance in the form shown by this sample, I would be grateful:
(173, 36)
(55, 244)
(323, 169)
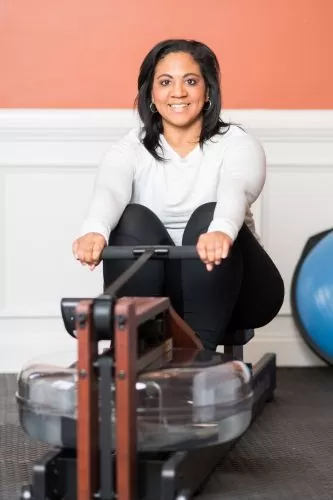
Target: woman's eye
(189, 81)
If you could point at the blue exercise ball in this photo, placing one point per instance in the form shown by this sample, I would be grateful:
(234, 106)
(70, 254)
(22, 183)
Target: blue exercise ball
(312, 294)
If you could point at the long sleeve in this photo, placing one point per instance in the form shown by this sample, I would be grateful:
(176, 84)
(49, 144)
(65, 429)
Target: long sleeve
(112, 189)
(242, 178)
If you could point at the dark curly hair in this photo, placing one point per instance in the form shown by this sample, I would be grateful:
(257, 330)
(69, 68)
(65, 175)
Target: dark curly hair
(209, 66)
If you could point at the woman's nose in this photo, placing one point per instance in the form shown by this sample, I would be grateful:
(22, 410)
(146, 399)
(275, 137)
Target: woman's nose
(179, 89)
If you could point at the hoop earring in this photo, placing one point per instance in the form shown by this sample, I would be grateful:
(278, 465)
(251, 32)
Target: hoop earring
(209, 104)
(152, 108)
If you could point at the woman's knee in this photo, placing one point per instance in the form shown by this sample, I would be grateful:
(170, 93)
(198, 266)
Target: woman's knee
(198, 223)
(135, 213)
(139, 225)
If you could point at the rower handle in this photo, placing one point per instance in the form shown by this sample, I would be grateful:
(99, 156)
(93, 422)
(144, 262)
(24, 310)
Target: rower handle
(159, 252)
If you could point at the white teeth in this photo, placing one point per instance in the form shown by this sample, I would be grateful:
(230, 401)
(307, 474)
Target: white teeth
(178, 108)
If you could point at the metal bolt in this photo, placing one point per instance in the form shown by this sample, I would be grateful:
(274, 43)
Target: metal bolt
(121, 321)
(82, 373)
(122, 375)
(82, 319)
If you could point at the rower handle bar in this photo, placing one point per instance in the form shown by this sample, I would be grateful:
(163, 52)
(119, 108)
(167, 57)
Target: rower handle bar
(159, 252)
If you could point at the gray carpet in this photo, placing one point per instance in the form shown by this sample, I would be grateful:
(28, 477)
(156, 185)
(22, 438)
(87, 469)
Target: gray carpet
(287, 453)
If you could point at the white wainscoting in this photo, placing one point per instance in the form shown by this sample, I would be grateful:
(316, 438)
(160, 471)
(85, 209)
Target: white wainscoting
(48, 160)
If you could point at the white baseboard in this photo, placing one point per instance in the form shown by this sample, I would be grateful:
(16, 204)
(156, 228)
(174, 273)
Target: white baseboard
(282, 338)
(39, 338)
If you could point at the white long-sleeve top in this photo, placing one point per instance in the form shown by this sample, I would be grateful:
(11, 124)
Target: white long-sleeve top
(229, 170)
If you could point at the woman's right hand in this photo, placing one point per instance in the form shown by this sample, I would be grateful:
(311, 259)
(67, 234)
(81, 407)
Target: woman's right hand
(88, 249)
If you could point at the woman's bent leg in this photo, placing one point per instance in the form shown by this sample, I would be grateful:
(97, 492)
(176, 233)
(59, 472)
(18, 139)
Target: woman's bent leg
(209, 297)
(245, 291)
(138, 226)
(262, 290)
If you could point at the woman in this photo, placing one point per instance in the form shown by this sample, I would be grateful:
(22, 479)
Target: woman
(186, 178)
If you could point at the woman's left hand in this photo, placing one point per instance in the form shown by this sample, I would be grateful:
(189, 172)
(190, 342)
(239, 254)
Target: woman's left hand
(213, 247)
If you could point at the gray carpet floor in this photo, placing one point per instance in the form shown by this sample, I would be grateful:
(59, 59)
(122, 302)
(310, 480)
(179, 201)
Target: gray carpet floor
(286, 454)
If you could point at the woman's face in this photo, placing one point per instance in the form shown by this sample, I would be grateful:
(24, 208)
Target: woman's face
(179, 91)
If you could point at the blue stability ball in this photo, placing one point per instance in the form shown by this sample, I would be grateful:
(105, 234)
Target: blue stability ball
(312, 295)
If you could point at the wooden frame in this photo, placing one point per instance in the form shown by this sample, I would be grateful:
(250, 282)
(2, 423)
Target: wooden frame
(87, 421)
(129, 314)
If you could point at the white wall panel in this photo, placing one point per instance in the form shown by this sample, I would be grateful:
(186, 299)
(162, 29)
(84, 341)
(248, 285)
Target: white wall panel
(47, 166)
(43, 209)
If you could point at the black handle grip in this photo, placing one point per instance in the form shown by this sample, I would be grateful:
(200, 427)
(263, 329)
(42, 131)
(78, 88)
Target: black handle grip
(159, 252)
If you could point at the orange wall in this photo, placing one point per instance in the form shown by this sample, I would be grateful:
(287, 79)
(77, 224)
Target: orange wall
(86, 53)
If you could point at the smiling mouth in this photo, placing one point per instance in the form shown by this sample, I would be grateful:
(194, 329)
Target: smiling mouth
(178, 107)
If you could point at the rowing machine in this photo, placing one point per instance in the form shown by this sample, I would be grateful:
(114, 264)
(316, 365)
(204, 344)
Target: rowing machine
(150, 416)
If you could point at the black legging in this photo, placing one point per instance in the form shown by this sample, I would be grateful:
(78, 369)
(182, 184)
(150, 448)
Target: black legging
(244, 291)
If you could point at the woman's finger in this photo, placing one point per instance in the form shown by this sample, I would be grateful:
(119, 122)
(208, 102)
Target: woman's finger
(96, 253)
(201, 249)
(225, 248)
(88, 249)
(209, 266)
(80, 254)
(210, 250)
(218, 254)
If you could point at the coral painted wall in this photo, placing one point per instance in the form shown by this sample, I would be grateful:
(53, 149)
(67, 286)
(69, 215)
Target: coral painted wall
(86, 53)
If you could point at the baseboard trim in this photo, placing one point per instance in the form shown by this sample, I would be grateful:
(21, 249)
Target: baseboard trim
(282, 338)
(110, 124)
